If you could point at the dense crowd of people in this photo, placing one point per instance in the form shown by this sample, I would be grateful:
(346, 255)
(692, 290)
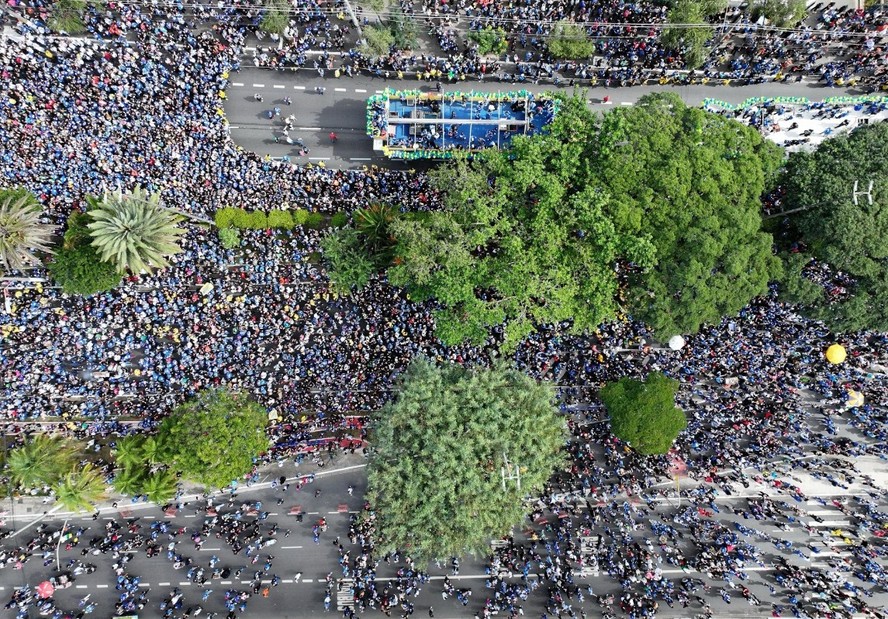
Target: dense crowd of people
(763, 405)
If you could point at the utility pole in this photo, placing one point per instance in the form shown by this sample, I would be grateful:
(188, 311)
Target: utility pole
(510, 472)
(868, 193)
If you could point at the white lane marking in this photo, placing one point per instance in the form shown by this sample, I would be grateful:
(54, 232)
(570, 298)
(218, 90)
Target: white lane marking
(379, 92)
(287, 581)
(237, 83)
(258, 85)
(184, 583)
(361, 159)
(626, 103)
(298, 87)
(312, 513)
(102, 586)
(321, 159)
(190, 516)
(360, 90)
(233, 127)
(340, 90)
(144, 584)
(163, 584)
(308, 128)
(308, 580)
(211, 549)
(224, 582)
(279, 86)
(333, 512)
(291, 547)
(80, 586)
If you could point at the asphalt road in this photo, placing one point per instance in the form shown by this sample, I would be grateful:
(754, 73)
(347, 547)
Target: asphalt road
(299, 553)
(342, 109)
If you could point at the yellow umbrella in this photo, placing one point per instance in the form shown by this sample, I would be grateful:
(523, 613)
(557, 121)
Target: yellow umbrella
(855, 399)
(836, 353)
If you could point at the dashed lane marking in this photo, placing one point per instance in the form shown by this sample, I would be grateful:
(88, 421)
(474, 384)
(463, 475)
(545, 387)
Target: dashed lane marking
(361, 159)
(289, 547)
(360, 90)
(298, 87)
(163, 584)
(237, 83)
(80, 586)
(102, 586)
(379, 92)
(321, 159)
(280, 86)
(626, 103)
(308, 128)
(340, 90)
(287, 581)
(224, 582)
(308, 580)
(184, 583)
(211, 549)
(258, 85)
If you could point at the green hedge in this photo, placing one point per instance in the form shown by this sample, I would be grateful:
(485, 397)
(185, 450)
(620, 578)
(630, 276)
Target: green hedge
(278, 219)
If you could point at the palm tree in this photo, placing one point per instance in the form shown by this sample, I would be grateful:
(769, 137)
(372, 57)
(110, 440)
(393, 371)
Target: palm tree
(374, 223)
(81, 488)
(40, 461)
(160, 486)
(129, 480)
(132, 231)
(21, 232)
(151, 450)
(128, 451)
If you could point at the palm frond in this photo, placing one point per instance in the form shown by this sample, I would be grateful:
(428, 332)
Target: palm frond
(133, 231)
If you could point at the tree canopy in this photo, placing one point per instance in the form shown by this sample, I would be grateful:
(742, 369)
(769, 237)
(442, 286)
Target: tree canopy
(434, 473)
(213, 438)
(849, 237)
(690, 31)
(77, 266)
(644, 414)
(524, 238)
(692, 182)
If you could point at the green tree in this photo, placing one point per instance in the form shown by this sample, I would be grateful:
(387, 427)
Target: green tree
(213, 438)
(403, 28)
(275, 17)
(128, 480)
(160, 486)
(132, 230)
(21, 233)
(77, 267)
(80, 488)
(128, 451)
(434, 473)
(781, 13)
(378, 40)
(151, 450)
(347, 263)
(849, 237)
(229, 237)
(523, 239)
(691, 181)
(40, 461)
(490, 40)
(689, 30)
(643, 414)
(570, 41)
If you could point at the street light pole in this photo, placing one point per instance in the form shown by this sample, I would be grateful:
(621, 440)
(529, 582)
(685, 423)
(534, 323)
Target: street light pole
(59, 543)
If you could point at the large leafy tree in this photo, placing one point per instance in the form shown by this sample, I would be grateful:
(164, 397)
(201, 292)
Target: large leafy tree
(435, 472)
(691, 181)
(689, 29)
(21, 232)
(849, 237)
(77, 267)
(644, 413)
(524, 238)
(41, 461)
(80, 488)
(132, 230)
(214, 438)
